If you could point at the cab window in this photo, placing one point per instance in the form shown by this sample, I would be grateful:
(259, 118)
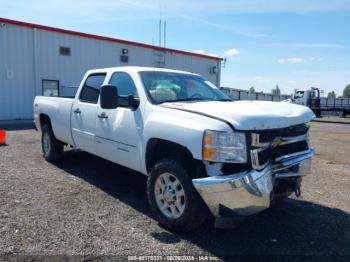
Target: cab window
(91, 88)
(299, 94)
(125, 85)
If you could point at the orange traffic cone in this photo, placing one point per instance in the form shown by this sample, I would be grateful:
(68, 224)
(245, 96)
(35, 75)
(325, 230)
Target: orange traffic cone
(2, 137)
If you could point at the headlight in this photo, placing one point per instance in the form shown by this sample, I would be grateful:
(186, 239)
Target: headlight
(224, 147)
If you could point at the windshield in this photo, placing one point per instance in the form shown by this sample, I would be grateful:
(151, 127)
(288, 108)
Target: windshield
(299, 94)
(173, 87)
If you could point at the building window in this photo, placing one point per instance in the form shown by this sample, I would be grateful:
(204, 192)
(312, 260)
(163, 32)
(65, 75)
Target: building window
(50, 87)
(124, 59)
(64, 50)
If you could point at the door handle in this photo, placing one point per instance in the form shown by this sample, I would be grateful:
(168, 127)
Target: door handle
(77, 111)
(102, 116)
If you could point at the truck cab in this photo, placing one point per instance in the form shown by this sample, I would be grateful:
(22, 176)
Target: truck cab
(305, 96)
(308, 97)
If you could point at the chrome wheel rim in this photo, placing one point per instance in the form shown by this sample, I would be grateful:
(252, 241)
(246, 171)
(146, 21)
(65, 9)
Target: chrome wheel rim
(46, 143)
(170, 196)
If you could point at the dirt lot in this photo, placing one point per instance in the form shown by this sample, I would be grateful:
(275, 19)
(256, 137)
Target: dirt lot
(85, 205)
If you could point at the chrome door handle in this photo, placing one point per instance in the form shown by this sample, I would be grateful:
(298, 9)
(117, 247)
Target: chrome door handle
(102, 115)
(77, 111)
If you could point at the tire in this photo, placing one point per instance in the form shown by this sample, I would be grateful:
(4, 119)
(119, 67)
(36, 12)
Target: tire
(51, 147)
(193, 211)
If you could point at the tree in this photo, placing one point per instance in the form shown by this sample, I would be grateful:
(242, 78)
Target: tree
(331, 95)
(346, 92)
(252, 89)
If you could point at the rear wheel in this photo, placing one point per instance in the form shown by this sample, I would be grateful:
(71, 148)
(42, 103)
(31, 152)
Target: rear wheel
(51, 147)
(173, 200)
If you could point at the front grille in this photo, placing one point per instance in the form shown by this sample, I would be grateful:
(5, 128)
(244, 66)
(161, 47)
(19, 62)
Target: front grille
(269, 135)
(273, 153)
(268, 145)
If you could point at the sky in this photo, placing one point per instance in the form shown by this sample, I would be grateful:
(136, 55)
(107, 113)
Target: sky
(289, 43)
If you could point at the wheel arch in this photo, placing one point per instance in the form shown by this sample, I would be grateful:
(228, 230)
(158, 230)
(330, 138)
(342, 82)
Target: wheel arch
(44, 119)
(157, 149)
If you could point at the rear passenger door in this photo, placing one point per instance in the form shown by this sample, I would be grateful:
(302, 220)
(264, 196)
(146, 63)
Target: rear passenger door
(84, 113)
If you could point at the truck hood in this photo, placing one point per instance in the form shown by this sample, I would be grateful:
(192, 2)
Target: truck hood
(250, 115)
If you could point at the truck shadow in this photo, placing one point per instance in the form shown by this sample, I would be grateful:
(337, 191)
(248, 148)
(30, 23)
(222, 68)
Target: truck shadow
(293, 228)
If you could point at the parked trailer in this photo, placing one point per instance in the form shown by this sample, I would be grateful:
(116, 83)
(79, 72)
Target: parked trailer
(338, 104)
(239, 94)
(311, 98)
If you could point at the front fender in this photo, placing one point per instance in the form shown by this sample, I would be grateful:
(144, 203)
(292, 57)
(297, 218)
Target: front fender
(183, 128)
(180, 132)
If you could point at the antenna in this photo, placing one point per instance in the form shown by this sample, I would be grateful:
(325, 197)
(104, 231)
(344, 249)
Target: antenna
(160, 32)
(164, 33)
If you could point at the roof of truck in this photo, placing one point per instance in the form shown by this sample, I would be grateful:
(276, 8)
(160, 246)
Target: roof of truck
(139, 69)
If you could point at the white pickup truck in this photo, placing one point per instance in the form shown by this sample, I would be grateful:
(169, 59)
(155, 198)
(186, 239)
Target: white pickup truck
(203, 154)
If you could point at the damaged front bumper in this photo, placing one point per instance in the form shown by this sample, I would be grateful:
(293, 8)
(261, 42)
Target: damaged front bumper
(247, 193)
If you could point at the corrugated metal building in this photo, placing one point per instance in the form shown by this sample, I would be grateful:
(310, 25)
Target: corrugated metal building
(42, 60)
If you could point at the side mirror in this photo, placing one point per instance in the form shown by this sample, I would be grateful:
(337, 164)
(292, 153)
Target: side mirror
(133, 102)
(109, 97)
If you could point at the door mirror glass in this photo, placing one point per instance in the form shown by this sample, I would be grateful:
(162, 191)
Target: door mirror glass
(109, 97)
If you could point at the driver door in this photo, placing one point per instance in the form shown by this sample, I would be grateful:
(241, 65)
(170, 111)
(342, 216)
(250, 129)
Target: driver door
(118, 131)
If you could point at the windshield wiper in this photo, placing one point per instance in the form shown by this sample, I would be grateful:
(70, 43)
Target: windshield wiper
(225, 100)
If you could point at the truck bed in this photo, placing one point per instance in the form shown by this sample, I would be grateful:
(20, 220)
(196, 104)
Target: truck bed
(59, 111)
(335, 104)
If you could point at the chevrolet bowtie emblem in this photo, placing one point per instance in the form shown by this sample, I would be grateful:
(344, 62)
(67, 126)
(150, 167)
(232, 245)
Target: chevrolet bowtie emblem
(276, 142)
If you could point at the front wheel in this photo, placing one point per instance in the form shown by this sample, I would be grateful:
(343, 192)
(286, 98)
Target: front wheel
(173, 200)
(51, 147)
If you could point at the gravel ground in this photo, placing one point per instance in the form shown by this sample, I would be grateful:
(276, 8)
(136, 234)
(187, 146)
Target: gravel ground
(89, 207)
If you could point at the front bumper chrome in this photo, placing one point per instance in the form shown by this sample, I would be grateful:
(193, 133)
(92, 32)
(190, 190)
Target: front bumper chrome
(247, 193)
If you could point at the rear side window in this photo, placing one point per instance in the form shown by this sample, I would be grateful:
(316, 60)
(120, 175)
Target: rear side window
(125, 85)
(91, 88)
